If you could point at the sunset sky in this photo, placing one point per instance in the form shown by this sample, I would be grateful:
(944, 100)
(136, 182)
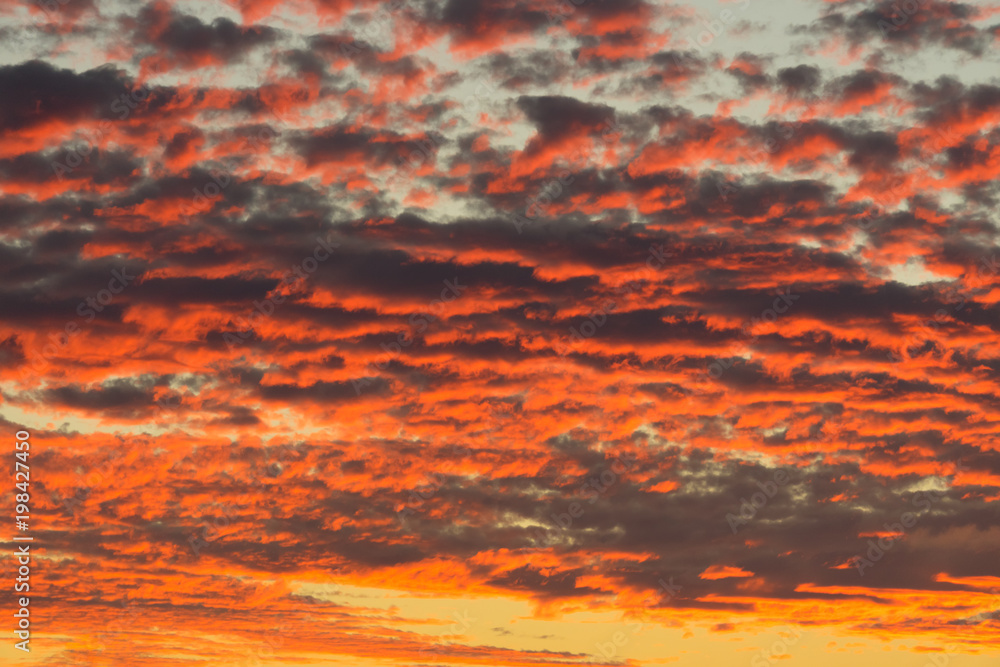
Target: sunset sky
(629, 333)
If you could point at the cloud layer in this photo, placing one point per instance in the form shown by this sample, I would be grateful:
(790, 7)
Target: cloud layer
(313, 305)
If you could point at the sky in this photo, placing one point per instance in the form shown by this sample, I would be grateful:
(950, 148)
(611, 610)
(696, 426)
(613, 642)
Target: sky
(503, 333)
